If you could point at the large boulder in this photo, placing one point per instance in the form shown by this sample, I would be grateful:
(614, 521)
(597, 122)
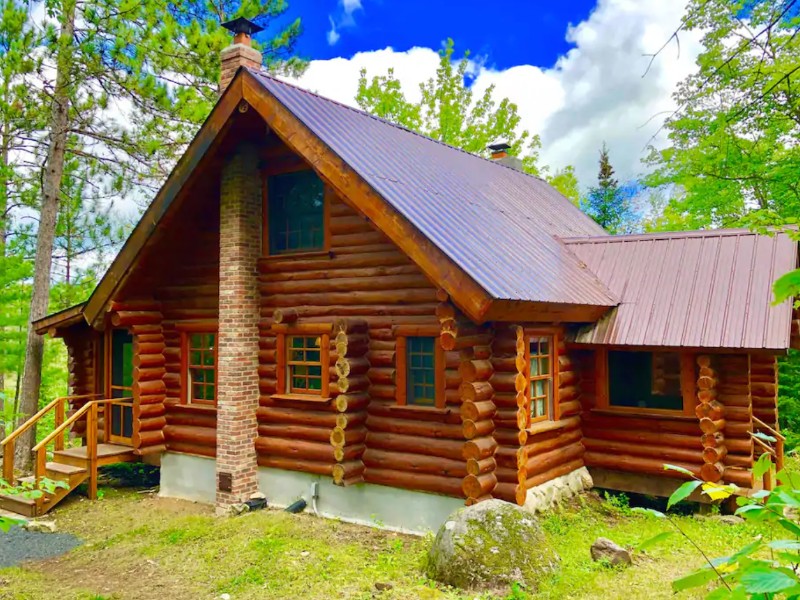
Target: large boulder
(491, 545)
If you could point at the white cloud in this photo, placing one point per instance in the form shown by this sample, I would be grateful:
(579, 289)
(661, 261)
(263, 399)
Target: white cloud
(594, 93)
(344, 19)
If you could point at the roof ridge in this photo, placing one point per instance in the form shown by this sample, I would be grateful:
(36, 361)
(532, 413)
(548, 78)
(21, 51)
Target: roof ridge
(267, 74)
(661, 235)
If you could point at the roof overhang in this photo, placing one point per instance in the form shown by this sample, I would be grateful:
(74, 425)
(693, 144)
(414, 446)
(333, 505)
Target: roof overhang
(60, 320)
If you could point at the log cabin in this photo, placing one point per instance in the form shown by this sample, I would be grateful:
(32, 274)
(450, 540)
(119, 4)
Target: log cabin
(322, 304)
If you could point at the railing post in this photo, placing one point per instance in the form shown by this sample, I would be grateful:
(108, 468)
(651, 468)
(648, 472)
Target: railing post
(8, 463)
(60, 416)
(91, 435)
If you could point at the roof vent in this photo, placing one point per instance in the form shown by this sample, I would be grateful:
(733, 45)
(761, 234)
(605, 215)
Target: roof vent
(242, 29)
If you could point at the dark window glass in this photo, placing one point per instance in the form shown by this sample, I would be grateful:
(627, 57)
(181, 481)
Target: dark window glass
(202, 367)
(296, 212)
(421, 371)
(305, 364)
(644, 380)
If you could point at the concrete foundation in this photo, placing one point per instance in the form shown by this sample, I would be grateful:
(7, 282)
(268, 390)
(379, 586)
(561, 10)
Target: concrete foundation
(193, 478)
(544, 496)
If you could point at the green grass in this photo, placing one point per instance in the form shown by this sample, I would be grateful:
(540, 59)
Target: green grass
(144, 547)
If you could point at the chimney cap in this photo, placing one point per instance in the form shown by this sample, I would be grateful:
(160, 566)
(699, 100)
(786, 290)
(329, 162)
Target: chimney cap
(499, 146)
(242, 25)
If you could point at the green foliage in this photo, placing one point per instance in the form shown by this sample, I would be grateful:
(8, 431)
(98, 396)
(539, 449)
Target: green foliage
(732, 139)
(608, 203)
(765, 567)
(27, 490)
(789, 397)
(450, 112)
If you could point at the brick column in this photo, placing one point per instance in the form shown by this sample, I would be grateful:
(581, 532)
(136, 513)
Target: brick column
(237, 344)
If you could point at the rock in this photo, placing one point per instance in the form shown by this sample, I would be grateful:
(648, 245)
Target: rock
(383, 587)
(257, 496)
(607, 551)
(728, 519)
(238, 509)
(491, 545)
(40, 526)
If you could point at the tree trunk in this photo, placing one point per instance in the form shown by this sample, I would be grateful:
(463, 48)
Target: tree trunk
(51, 184)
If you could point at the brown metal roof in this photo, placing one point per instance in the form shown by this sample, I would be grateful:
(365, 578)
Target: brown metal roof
(695, 289)
(498, 224)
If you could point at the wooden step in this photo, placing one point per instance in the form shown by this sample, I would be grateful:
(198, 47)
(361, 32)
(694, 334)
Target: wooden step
(107, 454)
(19, 505)
(62, 469)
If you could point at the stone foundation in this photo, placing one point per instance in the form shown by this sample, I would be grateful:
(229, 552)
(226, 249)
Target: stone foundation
(545, 496)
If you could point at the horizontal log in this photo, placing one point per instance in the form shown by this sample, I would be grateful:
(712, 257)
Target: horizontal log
(189, 448)
(431, 429)
(549, 475)
(354, 297)
(296, 464)
(477, 411)
(154, 424)
(341, 437)
(640, 464)
(549, 460)
(126, 318)
(475, 370)
(510, 492)
(715, 455)
(473, 429)
(667, 453)
(712, 472)
(351, 402)
(348, 473)
(479, 448)
(197, 436)
(513, 458)
(439, 448)
(142, 439)
(296, 432)
(647, 438)
(144, 361)
(414, 463)
(449, 486)
(392, 411)
(479, 467)
(476, 391)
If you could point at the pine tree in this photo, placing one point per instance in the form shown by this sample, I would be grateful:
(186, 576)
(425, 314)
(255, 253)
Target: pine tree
(133, 81)
(608, 203)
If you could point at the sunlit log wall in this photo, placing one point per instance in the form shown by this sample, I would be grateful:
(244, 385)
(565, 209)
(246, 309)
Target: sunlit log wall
(530, 456)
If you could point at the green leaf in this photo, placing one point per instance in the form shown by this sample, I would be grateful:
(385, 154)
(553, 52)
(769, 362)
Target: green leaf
(679, 470)
(656, 539)
(766, 581)
(784, 545)
(648, 511)
(763, 464)
(683, 492)
(694, 580)
(789, 526)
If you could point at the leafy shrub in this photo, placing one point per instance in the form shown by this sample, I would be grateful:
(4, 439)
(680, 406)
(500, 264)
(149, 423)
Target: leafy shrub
(789, 397)
(769, 566)
(133, 474)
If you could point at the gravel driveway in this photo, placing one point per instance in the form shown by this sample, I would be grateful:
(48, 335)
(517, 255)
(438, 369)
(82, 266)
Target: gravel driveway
(19, 545)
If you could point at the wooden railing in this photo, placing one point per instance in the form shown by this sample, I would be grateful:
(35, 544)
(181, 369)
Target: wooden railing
(59, 405)
(775, 452)
(91, 410)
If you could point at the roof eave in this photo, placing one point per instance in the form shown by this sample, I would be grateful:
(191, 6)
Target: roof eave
(59, 320)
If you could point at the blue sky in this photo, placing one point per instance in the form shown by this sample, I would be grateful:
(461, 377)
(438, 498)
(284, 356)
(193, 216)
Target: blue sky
(504, 33)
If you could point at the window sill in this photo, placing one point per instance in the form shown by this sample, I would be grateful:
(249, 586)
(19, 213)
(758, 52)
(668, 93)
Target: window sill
(428, 410)
(300, 398)
(308, 254)
(189, 407)
(646, 413)
(545, 426)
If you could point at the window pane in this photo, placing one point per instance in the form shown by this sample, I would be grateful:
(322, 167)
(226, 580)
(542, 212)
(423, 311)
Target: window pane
(421, 371)
(630, 381)
(295, 212)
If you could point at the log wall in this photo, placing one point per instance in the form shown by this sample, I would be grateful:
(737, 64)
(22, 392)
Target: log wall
(530, 456)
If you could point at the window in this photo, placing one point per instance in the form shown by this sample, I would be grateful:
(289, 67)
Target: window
(295, 212)
(540, 373)
(420, 369)
(303, 362)
(199, 350)
(647, 381)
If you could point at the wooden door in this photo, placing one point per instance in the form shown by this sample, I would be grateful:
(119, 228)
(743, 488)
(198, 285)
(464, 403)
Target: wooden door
(119, 384)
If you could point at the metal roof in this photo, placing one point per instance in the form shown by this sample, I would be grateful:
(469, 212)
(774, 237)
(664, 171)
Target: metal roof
(695, 289)
(498, 224)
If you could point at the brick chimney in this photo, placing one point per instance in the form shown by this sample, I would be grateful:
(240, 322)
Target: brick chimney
(499, 152)
(239, 54)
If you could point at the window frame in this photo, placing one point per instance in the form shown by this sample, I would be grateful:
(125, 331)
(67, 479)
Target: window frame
(552, 410)
(283, 333)
(402, 333)
(187, 330)
(266, 173)
(687, 377)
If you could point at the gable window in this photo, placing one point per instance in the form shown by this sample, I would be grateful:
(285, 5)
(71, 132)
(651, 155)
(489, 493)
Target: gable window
(303, 362)
(200, 371)
(419, 376)
(541, 362)
(649, 381)
(295, 211)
